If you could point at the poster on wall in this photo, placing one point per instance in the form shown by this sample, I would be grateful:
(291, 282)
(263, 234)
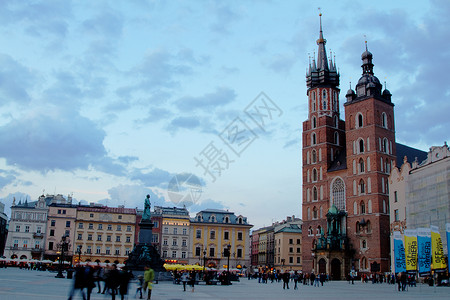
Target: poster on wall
(438, 258)
(424, 251)
(399, 253)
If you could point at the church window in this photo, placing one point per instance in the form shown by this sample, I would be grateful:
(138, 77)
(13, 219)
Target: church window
(321, 212)
(308, 214)
(363, 263)
(357, 227)
(318, 230)
(362, 208)
(315, 194)
(324, 104)
(384, 120)
(385, 145)
(361, 146)
(314, 122)
(336, 138)
(313, 101)
(314, 156)
(361, 165)
(338, 193)
(359, 120)
(362, 187)
(313, 138)
(314, 175)
(364, 244)
(324, 94)
(368, 227)
(314, 213)
(310, 231)
(355, 208)
(335, 121)
(369, 206)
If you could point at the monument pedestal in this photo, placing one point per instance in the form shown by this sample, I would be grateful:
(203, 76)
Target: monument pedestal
(144, 253)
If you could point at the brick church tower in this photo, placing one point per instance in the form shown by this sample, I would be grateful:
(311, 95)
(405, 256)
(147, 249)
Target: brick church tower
(346, 165)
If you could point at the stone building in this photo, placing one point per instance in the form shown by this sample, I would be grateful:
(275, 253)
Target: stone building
(419, 193)
(213, 232)
(288, 243)
(60, 223)
(346, 165)
(174, 233)
(27, 228)
(104, 234)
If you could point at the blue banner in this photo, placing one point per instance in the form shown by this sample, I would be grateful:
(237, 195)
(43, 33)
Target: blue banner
(424, 251)
(399, 253)
(447, 229)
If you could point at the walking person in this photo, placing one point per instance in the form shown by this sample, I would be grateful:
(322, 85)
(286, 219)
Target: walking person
(184, 279)
(149, 276)
(140, 286)
(296, 277)
(192, 280)
(286, 278)
(78, 282)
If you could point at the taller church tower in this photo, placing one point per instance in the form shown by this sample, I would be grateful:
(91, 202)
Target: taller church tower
(345, 171)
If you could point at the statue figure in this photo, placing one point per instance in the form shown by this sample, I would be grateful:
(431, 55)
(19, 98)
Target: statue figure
(146, 216)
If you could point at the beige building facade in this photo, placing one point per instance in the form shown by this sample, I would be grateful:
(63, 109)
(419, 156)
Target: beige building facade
(104, 234)
(288, 245)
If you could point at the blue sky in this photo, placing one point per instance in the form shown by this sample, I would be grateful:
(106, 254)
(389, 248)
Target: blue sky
(112, 100)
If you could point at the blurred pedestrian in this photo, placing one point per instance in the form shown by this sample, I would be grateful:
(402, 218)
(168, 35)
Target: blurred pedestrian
(78, 282)
(149, 276)
(184, 279)
(140, 286)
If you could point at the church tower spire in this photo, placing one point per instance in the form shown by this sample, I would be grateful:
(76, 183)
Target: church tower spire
(320, 73)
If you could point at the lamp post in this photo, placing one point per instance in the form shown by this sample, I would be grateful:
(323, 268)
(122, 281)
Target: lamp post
(64, 246)
(228, 252)
(204, 260)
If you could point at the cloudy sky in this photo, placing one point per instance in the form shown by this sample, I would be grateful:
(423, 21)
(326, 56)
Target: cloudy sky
(198, 103)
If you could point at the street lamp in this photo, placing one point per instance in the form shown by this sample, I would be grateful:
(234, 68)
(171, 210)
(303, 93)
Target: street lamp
(64, 246)
(204, 260)
(227, 253)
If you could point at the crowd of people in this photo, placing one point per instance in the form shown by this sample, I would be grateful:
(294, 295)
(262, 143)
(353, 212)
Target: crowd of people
(110, 281)
(291, 276)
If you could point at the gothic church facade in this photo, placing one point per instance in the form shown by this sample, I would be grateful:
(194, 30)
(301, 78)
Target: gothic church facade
(346, 165)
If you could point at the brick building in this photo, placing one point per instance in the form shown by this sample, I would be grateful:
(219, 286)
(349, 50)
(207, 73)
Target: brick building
(346, 165)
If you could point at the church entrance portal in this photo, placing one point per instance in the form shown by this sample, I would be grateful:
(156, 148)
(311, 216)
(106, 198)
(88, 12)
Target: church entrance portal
(336, 269)
(322, 266)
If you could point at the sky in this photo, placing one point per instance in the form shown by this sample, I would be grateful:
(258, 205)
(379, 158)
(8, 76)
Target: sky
(198, 103)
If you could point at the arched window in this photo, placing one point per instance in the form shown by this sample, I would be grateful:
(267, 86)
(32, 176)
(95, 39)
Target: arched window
(362, 207)
(314, 122)
(314, 194)
(314, 175)
(227, 220)
(313, 138)
(359, 120)
(355, 208)
(335, 121)
(361, 146)
(384, 120)
(336, 138)
(368, 227)
(364, 263)
(324, 104)
(357, 227)
(213, 219)
(385, 145)
(321, 212)
(313, 101)
(310, 231)
(314, 213)
(324, 94)
(362, 187)
(338, 194)
(361, 165)
(364, 244)
(314, 156)
(309, 214)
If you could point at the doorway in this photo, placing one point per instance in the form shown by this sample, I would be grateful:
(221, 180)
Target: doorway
(336, 269)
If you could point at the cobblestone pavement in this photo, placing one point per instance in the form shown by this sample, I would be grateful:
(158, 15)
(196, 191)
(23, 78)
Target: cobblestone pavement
(24, 284)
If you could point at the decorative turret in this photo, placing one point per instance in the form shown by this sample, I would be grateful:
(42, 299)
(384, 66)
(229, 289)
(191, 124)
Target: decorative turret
(322, 74)
(369, 85)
